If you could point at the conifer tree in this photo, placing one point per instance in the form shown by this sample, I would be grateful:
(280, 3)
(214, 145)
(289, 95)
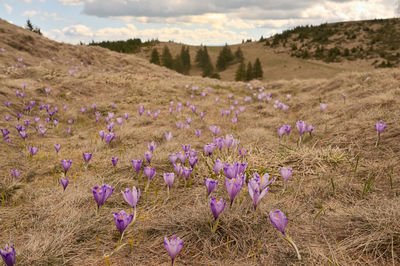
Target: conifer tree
(155, 57)
(225, 57)
(239, 55)
(258, 71)
(185, 59)
(166, 58)
(241, 72)
(249, 72)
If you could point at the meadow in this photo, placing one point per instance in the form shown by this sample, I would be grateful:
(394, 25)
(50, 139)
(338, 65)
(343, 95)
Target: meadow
(340, 201)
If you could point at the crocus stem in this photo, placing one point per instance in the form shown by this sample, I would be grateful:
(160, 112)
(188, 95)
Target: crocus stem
(216, 225)
(120, 240)
(172, 262)
(134, 215)
(377, 140)
(107, 258)
(290, 241)
(299, 142)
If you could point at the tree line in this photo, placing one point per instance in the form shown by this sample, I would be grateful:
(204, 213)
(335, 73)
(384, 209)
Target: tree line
(182, 63)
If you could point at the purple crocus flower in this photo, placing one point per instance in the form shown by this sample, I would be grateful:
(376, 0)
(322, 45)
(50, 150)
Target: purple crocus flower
(114, 161)
(301, 127)
(242, 168)
(87, 157)
(23, 134)
(233, 186)
(173, 157)
(110, 126)
(278, 220)
(380, 126)
(137, 164)
(43, 131)
(211, 185)
(122, 220)
(169, 179)
(27, 122)
(202, 114)
(101, 194)
(68, 131)
(149, 172)
(168, 136)
(131, 197)
(152, 145)
(15, 173)
(47, 90)
(242, 152)
(231, 170)
(7, 103)
(109, 137)
(119, 120)
(83, 110)
(256, 191)
(8, 255)
(19, 115)
(178, 169)
(94, 106)
(33, 150)
(186, 147)
(173, 247)
(310, 128)
(193, 160)
(141, 110)
(36, 119)
(101, 134)
(64, 182)
(218, 166)
(197, 132)
(66, 164)
(148, 155)
(344, 97)
(215, 130)
(281, 130)
(7, 118)
(182, 156)
(323, 106)
(186, 171)
(193, 108)
(5, 132)
(149, 113)
(170, 110)
(209, 149)
(126, 115)
(217, 206)
(286, 173)
(57, 147)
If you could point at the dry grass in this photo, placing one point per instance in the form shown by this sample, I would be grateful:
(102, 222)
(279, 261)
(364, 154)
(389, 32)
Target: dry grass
(341, 224)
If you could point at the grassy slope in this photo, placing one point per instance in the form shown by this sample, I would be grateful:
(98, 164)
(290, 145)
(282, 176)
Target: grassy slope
(48, 226)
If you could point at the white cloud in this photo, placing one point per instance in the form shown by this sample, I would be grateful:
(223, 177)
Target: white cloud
(8, 9)
(30, 13)
(79, 32)
(71, 2)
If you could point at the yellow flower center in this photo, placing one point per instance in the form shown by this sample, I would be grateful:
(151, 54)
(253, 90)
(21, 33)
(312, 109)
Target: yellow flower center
(6, 250)
(216, 200)
(276, 214)
(121, 216)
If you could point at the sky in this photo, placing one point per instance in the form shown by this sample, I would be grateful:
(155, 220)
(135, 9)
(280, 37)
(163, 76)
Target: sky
(195, 22)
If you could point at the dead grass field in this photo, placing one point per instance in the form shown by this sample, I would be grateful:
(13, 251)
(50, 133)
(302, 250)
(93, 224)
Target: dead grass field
(342, 201)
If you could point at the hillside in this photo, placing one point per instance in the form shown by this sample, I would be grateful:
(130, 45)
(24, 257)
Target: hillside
(375, 41)
(306, 51)
(341, 202)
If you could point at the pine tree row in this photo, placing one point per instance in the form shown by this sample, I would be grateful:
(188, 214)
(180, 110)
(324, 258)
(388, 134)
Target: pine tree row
(179, 63)
(253, 71)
